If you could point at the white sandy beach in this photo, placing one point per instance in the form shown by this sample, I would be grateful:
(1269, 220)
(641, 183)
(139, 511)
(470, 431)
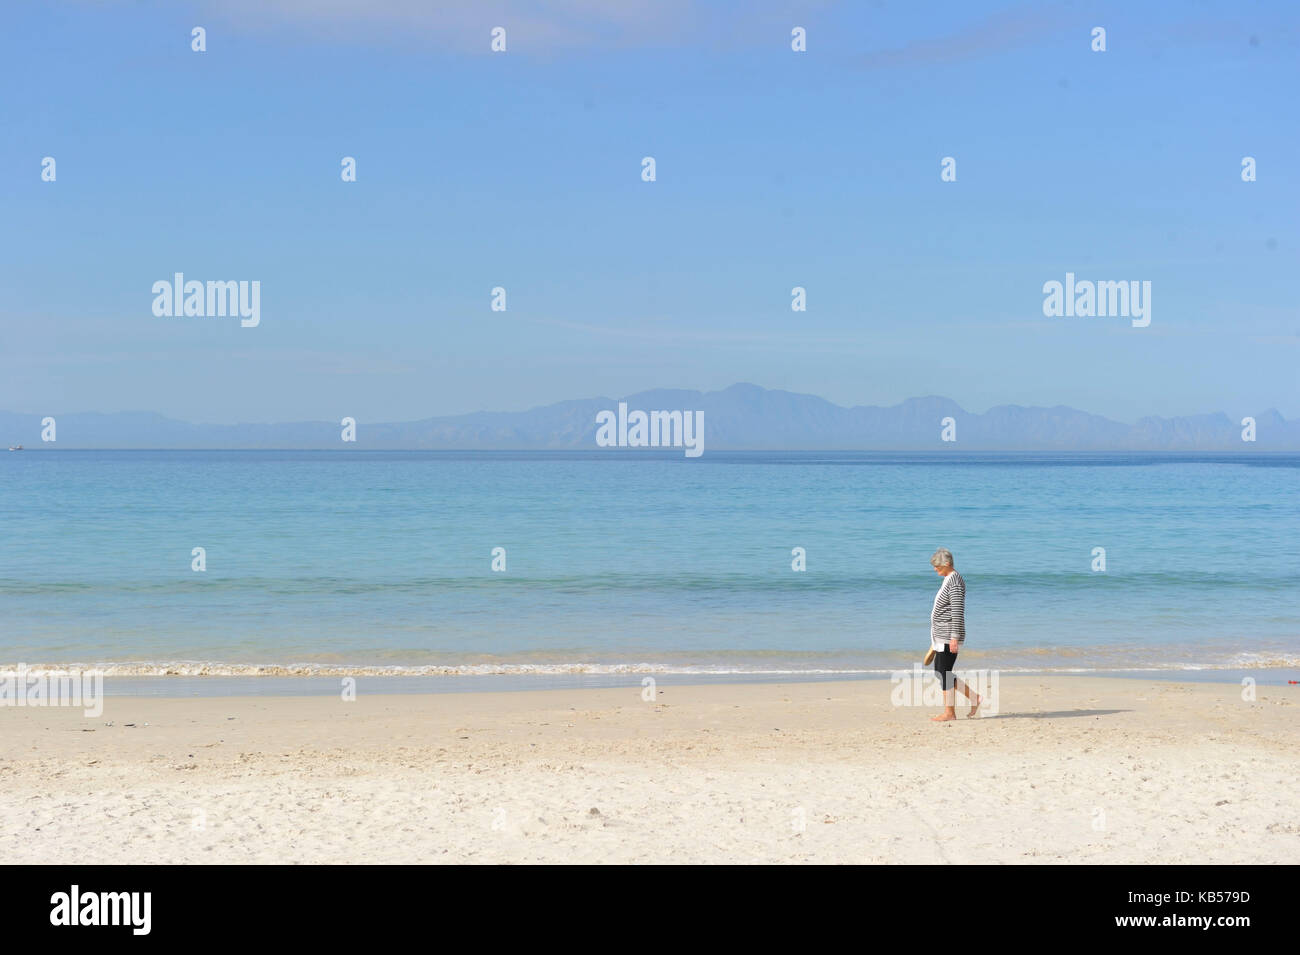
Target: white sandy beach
(1071, 769)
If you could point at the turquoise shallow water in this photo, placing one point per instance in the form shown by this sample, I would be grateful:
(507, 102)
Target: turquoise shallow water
(629, 562)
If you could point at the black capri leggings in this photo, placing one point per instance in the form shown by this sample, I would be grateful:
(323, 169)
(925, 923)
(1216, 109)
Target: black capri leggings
(943, 663)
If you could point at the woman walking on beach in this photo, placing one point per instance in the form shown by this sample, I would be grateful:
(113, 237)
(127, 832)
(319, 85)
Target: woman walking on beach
(948, 633)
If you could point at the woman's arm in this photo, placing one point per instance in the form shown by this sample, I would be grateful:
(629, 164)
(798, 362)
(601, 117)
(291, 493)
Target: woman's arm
(957, 609)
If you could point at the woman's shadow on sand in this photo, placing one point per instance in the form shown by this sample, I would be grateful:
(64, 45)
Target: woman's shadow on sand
(1048, 716)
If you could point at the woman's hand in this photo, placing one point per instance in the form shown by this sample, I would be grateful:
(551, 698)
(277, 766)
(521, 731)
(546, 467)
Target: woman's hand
(952, 645)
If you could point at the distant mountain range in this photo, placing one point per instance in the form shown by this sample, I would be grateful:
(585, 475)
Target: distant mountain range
(743, 416)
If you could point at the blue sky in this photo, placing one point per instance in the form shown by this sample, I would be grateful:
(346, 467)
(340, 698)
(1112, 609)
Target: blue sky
(775, 169)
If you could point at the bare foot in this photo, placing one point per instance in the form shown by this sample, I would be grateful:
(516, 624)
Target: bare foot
(975, 707)
(943, 717)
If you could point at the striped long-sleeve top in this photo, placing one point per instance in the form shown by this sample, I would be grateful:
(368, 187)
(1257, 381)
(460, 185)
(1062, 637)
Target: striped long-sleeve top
(948, 619)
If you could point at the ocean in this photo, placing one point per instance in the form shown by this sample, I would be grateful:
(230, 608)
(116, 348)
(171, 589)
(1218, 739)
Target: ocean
(626, 563)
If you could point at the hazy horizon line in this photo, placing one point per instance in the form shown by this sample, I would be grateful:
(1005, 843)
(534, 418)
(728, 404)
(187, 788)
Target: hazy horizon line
(595, 398)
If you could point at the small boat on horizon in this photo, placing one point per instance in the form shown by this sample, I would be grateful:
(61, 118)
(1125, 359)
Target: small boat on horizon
(15, 447)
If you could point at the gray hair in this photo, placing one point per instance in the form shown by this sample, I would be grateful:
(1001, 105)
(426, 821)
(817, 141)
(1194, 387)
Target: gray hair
(942, 558)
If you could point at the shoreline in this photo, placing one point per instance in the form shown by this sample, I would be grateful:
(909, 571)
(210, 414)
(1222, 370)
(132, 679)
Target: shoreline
(1077, 770)
(189, 686)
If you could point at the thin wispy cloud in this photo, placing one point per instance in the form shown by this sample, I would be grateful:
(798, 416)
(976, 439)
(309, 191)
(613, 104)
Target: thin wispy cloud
(994, 34)
(668, 336)
(531, 27)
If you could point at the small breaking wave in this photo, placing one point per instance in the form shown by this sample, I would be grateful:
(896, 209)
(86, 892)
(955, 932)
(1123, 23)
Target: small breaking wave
(190, 668)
